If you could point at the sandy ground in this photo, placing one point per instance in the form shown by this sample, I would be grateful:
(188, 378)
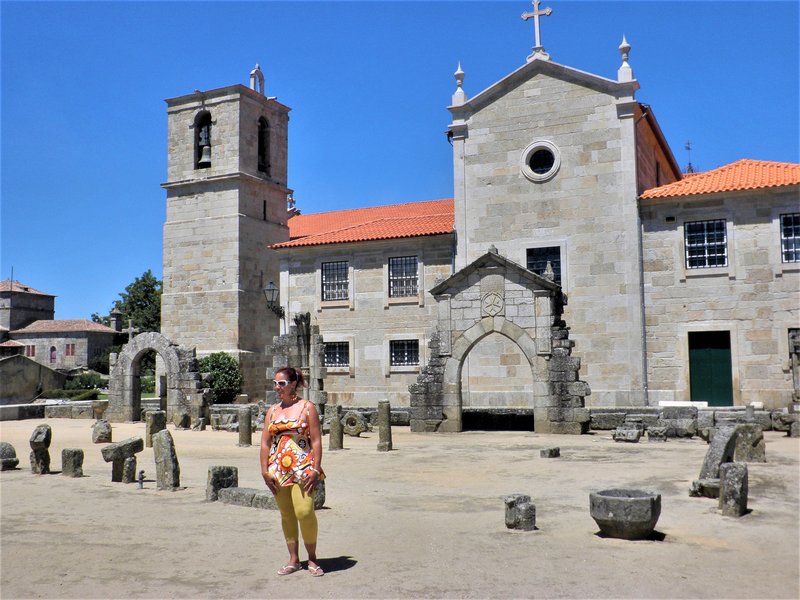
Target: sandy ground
(423, 521)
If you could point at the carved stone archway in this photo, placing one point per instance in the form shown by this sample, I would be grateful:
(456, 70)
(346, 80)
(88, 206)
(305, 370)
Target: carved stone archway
(496, 295)
(184, 387)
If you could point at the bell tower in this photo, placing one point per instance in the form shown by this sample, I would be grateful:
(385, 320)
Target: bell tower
(226, 203)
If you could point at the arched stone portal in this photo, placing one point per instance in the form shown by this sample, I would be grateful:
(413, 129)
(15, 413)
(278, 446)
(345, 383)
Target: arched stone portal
(496, 295)
(184, 387)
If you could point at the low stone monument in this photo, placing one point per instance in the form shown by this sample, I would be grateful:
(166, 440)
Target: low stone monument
(628, 434)
(129, 470)
(384, 426)
(168, 471)
(99, 408)
(520, 512)
(101, 432)
(200, 424)
(8, 457)
(720, 450)
(220, 477)
(550, 452)
(656, 434)
(181, 420)
(117, 453)
(155, 421)
(733, 489)
(624, 513)
(354, 423)
(336, 441)
(245, 419)
(40, 449)
(72, 462)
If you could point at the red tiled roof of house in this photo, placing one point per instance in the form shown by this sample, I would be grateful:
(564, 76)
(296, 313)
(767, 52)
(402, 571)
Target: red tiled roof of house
(12, 344)
(7, 285)
(745, 174)
(375, 223)
(64, 326)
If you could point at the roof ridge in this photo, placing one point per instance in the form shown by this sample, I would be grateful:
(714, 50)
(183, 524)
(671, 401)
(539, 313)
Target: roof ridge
(376, 207)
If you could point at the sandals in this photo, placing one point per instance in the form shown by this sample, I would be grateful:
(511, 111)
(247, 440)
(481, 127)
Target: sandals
(289, 569)
(316, 571)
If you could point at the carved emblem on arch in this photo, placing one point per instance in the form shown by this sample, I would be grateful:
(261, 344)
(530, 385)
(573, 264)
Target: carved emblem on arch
(492, 304)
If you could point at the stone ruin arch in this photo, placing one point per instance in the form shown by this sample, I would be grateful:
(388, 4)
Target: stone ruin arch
(184, 386)
(496, 295)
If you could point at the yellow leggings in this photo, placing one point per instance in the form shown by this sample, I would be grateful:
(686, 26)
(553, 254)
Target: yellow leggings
(297, 507)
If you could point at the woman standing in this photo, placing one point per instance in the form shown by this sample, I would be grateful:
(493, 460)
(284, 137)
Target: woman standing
(291, 464)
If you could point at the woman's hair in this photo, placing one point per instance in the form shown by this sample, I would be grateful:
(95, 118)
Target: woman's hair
(292, 374)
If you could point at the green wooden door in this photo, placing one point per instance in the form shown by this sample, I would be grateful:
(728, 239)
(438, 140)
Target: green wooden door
(710, 367)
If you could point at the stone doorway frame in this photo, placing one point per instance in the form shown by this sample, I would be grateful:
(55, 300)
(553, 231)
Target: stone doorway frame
(496, 295)
(184, 386)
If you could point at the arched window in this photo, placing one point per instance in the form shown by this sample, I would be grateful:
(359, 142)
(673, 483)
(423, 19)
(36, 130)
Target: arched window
(202, 140)
(53, 355)
(263, 146)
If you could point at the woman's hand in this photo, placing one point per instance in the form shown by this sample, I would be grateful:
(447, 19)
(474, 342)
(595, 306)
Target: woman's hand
(271, 483)
(310, 481)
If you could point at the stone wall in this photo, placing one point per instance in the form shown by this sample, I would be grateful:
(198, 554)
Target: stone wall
(18, 309)
(23, 379)
(756, 298)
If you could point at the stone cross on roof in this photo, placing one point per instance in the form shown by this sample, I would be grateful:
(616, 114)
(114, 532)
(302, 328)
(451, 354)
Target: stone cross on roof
(131, 330)
(535, 14)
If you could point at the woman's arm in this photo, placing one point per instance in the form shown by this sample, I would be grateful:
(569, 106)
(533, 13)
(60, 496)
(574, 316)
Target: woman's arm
(266, 445)
(315, 435)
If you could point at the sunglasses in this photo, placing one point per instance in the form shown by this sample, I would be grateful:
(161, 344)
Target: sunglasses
(280, 382)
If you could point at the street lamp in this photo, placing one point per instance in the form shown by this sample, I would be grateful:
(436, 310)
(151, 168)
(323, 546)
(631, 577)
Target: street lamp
(271, 293)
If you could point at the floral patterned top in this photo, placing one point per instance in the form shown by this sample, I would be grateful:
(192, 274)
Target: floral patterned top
(290, 455)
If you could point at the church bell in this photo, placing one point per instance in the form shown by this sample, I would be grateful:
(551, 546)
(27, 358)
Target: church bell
(205, 157)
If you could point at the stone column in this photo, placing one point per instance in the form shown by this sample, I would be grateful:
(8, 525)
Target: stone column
(168, 471)
(336, 435)
(72, 462)
(40, 449)
(155, 421)
(384, 426)
(245, 417)
(733, 489)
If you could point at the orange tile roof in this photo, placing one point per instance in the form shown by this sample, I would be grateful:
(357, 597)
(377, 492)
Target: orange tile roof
(64, 326)
(375, 223)
(15, 286)
(12, 344)
(744, 174)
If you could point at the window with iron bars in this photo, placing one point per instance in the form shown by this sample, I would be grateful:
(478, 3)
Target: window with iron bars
(403, 277)
(337, 354)
(706, 244)
(335, 280)
(537, 259)
(790, 238)
(404, 353)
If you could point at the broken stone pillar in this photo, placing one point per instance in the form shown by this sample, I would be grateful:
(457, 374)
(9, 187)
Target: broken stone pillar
(101, 432)
(168, 471)
(336, 441)
(794, 429)
(220, 478)
(129, 470)
(181, 420)
(627, 433)
(354, 423)
(40, 453)
(384, 426)
(720, 450)
(656, 434)
(520, 512)
(550, 452)
(245, 418)
(118, 452)
(733, 489)
(155, 421)
(72, 462)
(8, 457)
(750, 446)
(199, 425)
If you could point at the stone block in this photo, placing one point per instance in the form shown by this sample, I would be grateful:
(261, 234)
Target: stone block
(199, 424)
(155, 421)
(554, 452)
(733, 489)
(41, 437)
(168, 471)
(705, 488)
(794, 430)
(8, 457)
(129, 469)
(220, 477)
(782, 421)
(72, 462)
(181, 420)
(101, 432)
(238, 496)
(264, 499)
(566, 428)
(656, 434)
(122, 450)
(647, 420)
(705, 419)
(627, 434)
(679, 412)
(520, 512)
(40, 461)
(681, 428)
(605, 421)
(58, 411)
(750, 445)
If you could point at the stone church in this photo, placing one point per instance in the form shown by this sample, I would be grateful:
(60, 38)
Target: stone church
(568, 204)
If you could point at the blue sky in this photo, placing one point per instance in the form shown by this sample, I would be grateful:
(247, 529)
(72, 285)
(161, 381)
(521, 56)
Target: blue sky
(83, 122)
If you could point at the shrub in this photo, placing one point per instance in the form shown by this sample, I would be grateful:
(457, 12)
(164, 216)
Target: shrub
(72, 394)
(147, 384)
(84, 381)
(224, 376)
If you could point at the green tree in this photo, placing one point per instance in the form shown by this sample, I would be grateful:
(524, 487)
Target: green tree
(224, 376)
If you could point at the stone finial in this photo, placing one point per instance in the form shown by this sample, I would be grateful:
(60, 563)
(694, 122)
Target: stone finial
(459, 97)
(493, 249)
(257, 80)
(625, 73)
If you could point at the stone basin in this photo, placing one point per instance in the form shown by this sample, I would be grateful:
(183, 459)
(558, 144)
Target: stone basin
(624, 513)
